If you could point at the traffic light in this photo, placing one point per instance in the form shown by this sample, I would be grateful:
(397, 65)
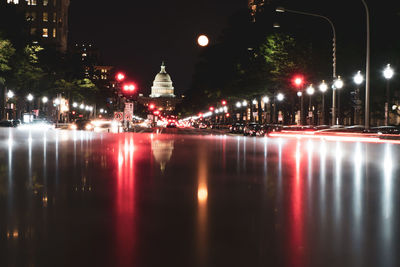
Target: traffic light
(298, 81)
(152, 106)
(120, 76)
(223, 102)
(156, 112)
(211, 108)
(128, 88)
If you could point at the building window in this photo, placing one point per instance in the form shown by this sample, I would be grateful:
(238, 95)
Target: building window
(45, 33)
(54, 17)
(30, 16)
(54, 33)
(45, 2)
(45, 16)
(13, 2)
(31, 2)
(33, 31)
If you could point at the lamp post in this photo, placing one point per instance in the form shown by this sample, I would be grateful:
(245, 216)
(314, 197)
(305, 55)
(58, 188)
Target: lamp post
(280, 97)
(323, 87)
(281, 9)
(388, 74)
(30, 99)
(338, 84)
(310, 92)
(358, 80)
(265, 101)
(367, 78)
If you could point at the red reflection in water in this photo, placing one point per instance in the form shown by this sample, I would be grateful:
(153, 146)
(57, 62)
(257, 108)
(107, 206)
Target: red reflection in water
(125, 228)
(296, 212)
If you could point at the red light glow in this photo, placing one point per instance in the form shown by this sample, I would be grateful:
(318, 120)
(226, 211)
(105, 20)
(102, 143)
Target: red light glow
(298, 81)
(223, 102)
(120, 77)
(152, 106)
(211, 108)
(129, 88)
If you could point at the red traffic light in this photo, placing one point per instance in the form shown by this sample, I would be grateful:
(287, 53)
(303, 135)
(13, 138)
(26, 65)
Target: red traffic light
(129, 88)
(120, 76)
(211, 108)
(156, 112)
(223, 102)
(152, 106)
(298, 81)
(227, 115)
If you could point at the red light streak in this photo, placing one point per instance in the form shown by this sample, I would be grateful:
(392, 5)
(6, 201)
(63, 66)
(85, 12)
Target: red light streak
(343, 137)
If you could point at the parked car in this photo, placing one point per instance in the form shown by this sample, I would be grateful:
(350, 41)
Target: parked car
(384, 130)
(237, 128)
(82, 124)
(251, 129)
(6, 124)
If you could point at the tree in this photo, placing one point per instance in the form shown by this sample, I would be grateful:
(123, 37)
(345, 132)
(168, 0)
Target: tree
(6, 53)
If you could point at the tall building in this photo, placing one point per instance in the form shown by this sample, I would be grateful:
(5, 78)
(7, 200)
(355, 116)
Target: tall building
(48, 20)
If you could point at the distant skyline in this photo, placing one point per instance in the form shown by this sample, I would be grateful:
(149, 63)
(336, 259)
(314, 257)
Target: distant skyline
(136, 36)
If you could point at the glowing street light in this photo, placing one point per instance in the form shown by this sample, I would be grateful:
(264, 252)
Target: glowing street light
(280, 97)
(82, 106)
(203, 40)
(57, 101)
(388, 74)
(101, 110)
(45, 99)
(338, 84)
(75, 104)
(358, 78)
(310, 90)
(244, 103)
(10, 94)
(238, 104)
(265, 99)
(255, 102)
(29, 97)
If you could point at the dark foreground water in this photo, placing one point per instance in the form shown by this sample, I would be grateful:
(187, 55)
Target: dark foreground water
(85, 199)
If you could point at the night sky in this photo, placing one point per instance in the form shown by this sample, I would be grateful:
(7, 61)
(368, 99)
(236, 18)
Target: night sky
(135, 36)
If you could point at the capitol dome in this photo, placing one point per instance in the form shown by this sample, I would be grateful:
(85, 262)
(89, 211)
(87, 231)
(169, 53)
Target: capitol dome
(162, 85)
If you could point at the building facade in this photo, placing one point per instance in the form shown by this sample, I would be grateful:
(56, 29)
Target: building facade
(162, 92)
(48, 20)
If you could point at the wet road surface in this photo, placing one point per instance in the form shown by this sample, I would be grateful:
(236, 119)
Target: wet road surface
(139, 199)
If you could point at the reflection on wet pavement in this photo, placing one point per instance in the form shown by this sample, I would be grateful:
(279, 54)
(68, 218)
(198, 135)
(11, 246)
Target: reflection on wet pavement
(92, 199)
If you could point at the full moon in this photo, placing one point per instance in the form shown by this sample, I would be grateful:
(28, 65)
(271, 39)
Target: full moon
(203, 40)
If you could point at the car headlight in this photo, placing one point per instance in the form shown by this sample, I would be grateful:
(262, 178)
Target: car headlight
(73, 127)
(88, 127)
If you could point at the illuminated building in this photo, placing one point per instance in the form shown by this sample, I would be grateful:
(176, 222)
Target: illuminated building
(162, 92)
(48, 20)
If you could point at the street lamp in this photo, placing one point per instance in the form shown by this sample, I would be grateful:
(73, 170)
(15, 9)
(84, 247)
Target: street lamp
(358, 80)
(82, 106)
(280, 97)
(282, 10)
(45, 100)
(388, 74)
(75, 105)
(29, 97)
(244, 103)
(310, 91)
(265, 99)
(238, 104)
(10, 94)
(323, 87)
(338, 84)
(57, 101)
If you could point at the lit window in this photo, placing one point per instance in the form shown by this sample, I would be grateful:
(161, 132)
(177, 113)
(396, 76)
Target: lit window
(31, 2)
(45, 2)
(54, 33)
(45, 16)
(13, 2)
(84, 55)
(54, 17)
(45, 32)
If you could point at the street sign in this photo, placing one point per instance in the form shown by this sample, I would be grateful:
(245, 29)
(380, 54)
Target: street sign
(118, 116)
(128, 117)
(129, 108)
